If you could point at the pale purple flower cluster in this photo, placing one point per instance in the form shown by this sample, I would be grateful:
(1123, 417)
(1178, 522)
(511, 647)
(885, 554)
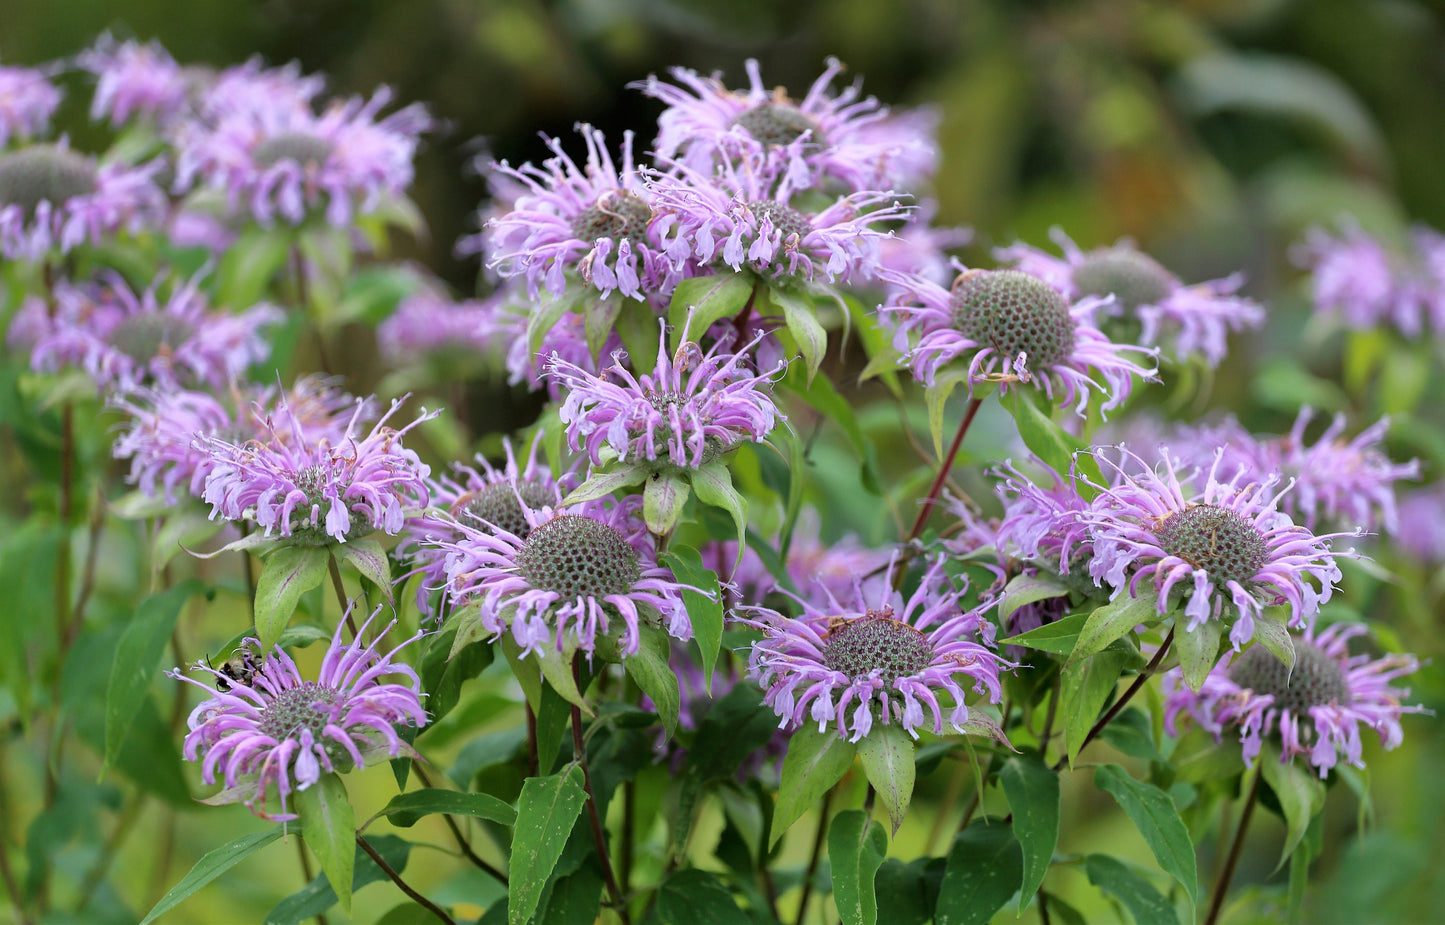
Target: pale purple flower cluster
(691, 409)
(135, 81)
(1365, 284)
(1422, 524)
(316, 489)
(1315, 710)
(825, 571)
(429, 324)
(567, 340)
(123, 339)
(1048, 526)
(278, 731)
(1189, 319)
(27, 101)
(886, 660)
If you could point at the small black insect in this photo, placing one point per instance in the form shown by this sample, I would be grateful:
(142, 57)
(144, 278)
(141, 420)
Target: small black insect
(238, 669)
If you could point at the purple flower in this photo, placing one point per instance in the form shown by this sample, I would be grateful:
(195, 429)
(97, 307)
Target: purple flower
(277, 730)
(826, 571)
(919, 248)
(1013, 327)
(846, 136)
(1193, 319)
(1421, 530)
(576, 573)
(160, 439)
(1228, 545)
(689, 410)
(594, 219)
(567, 339)
(313, 488)
(743, 216)
(1047, 526)
(123, 340)
(1366, 285)
(135, 80)
(253, 87)
(53, 199)
(1316, 710)
(283, 160)
(854, 664)
(27, 101)
(428, 324)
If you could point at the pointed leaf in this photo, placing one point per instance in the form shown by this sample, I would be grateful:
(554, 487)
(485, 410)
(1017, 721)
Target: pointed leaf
(1032, 788)
(814, 763)
(187, 528)
(599, 316)
(137, 656)
(649, 667)
(704, 605)
(936, 398)
(211, 865)
(328, 823)
(556, 667)
(602, 484)
(803, 324)
(984, 867)
(288, 573)
(1058, 637)
(1300, 792)
(367, 556)
(887, 755)
(545, 316)
(1086, 686)
(1157, 819)
(546, 812)
(1198, 650)
(638, 328)
(1146, 904)
(856, 846)
(1115, 620)
(1028, 589)
(702, 301)
(663, 499)
(714, 485)
(406, 808)
(1270, 632)
(255, 540)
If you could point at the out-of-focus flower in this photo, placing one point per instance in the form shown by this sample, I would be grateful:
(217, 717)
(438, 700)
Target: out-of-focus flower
(1365, 284)
(1187, 318)
(1315, 710)
(1421, 531)
(825, 571)
(27, 101)
(428, 324)
(254, 86)
(567, 339)
(135, 80)
(278, 731)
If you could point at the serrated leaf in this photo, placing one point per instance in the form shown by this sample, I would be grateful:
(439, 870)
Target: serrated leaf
(1032, 788)
(697, 897)
(702, 301)
(887, 756)
(856, 846)
(406, 808)
(663, 498)
(984, 868)
(137, 656)
(649, 667)
(1115, 620)
(288, 573)
(1146, 904)
(328, 823)
(1157, 819)
(713, 484)
(814, 763)
(704, 606)
(211, 865)
(1086, 685)
(546, 811)
(1300, 792)
(1058, 637)
(368, 557)
(803, 325)
(1198, 651)
(602, 484)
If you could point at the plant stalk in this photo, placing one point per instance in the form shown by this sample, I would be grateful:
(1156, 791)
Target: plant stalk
(1221, 887)
(386, 868)
(1123, 701)
(599, 837)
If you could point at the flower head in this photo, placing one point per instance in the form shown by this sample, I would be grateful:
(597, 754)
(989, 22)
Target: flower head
(135, 80)
(1226, 546)
(886, 661)
(1422, 524)
(825, 571)
(279, 731)
(313, 488)
(254, 86)
(1361, 282)
(1192, 319)
(689, 410)
(52, 198)
(1014, 327)
(1316, 710)
(27, 101)
(428, 324)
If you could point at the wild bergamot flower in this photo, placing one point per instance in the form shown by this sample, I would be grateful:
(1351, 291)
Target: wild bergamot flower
(882, 660)
(1012, 326)
(27, 101)
(280, 731)
(1315, 710)
(1366, 285)
(135, 80)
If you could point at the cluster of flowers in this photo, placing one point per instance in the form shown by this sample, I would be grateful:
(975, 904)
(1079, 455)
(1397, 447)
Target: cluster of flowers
(1367, 284)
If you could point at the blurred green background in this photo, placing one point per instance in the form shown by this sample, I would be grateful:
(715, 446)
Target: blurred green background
(1214, 132)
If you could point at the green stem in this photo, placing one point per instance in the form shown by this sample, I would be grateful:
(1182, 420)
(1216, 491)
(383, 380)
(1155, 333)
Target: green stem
(816, 857)
(461, 840)
(945, 466)
(1221, 887)
(599, 837)
(306, 873)
(341, 597)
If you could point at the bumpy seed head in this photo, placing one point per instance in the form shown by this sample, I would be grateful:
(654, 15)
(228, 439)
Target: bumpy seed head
(1132, 278)
(778, 124)
(307, 706)
(297, 147)
(1215, 539)
(1316, 680)
(496, 505)
(875, 641)
(576, 557)
(1013, 313)
(312, 482)
(145, 335)
(618, 214)
(44, 173)
(785, 219)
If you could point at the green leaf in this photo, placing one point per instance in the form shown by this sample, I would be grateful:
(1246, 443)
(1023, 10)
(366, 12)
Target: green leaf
(936, 398)
(1300, 792)
(211, 865)
(1299, 868)
(318, 896)
(246, 270)
(733, 728)
(288, 573)
(814, 763)
(1058, 637)
(1028, 589)
(984, 869)
(137, 656)
(637, 325)
(887, 756)
(1157, 819)
(575, 899)
(1198, 650)
(1146, 904)
(1056, 447)
(406, 808)
(328, 823)
(602, 484)
(856, 846)
(803, 325)
(556, 667)
(546, 314)
(1115, 620)
(1270, 632)
(697, 897)
(599, 317)
(367, 556)
(546, 812)
(649, 667)
(699, 303)
(663, 499)
(443, 673)
(1032, 788)
(704, 606)
(823, 396)
(1086, 686)
(714, 485)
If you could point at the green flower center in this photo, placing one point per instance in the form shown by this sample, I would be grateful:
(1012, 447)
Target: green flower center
(618, 215)
(786, 219)
(146, 335)
(1132, 278)
(1013, 313)
(308, 706)
(1215, 539)
(877, 641)
(44, 173)
(1317, 679)
(312, 482)
(496, 504)
(578, 557)
(778, 124)
(297, 147)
